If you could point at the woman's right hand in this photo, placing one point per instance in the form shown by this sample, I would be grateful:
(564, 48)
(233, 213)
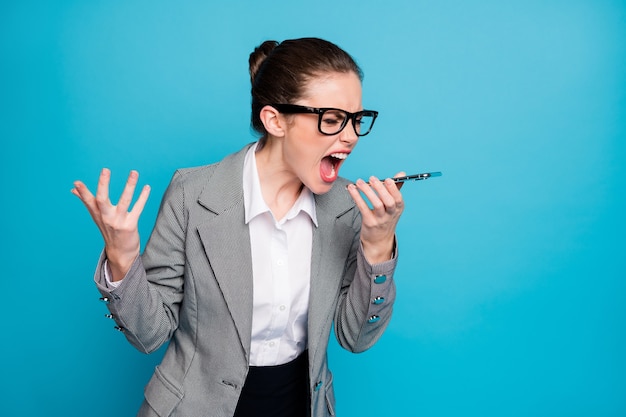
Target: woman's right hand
(118, 225)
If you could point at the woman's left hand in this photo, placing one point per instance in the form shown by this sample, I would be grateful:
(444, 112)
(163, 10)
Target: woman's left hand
(378, 228)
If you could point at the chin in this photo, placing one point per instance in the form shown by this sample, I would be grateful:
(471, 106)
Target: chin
(321, 187)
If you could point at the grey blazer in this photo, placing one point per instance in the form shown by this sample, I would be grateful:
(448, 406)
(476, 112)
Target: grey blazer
(192, 286)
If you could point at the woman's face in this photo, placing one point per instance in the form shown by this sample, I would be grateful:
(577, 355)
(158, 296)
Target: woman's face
(311, 156)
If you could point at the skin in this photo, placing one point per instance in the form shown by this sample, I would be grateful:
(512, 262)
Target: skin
(290, 160)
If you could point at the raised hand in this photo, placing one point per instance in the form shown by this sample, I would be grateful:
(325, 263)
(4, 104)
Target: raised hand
(379, 223)
(117, 224)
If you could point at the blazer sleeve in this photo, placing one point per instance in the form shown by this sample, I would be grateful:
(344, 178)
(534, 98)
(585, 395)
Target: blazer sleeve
(146, 304)
(366, 298)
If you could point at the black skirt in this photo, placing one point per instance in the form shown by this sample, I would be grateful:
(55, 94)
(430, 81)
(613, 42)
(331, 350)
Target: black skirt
(276, 391)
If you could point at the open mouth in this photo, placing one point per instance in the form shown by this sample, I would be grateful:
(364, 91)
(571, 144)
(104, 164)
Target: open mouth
(329, 168)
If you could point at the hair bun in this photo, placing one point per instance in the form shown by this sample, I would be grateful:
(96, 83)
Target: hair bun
(259, 56)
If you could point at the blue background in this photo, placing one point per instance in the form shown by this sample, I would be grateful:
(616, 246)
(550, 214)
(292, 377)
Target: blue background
(512, 293)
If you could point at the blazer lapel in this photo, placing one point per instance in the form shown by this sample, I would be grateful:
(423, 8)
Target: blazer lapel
(332, 241)
(226, 241)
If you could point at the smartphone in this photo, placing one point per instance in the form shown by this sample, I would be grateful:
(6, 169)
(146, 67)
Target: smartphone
(417, 177)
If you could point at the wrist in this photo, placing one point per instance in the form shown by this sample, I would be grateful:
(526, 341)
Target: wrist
(379, 251)
(119, 265)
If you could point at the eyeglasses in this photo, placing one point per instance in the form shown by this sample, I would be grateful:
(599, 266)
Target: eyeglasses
(332, 121)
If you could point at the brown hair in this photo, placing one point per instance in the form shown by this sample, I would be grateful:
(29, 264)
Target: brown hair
(279, 71)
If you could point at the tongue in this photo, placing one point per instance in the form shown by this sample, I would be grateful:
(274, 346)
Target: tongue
(327, 169)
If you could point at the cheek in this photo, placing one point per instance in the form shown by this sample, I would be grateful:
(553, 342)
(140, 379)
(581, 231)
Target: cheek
(305, 159)
(305, 151)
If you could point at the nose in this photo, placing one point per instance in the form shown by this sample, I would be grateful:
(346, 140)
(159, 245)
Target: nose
(348, 134)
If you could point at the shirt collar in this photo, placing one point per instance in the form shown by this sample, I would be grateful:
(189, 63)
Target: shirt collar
(254, 204)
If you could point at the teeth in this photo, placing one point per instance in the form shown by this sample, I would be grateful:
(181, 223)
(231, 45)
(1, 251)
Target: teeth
(339, 155)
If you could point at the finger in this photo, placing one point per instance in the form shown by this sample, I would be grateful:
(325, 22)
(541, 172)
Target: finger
(129, 190)
(81, 191)
(89, 201)
(102, 193)
(395, 190)
(358, 200)
(141, 202)
(399, 174)
(378, 195)
(375, 208)
(396, 202)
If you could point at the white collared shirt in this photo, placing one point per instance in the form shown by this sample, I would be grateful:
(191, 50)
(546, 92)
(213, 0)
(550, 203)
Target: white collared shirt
(281, 268)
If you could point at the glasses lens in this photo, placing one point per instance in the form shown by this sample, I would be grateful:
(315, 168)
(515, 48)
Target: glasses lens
(333, 121)
(363, 124)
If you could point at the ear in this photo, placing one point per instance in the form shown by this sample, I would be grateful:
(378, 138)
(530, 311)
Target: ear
(273, 121)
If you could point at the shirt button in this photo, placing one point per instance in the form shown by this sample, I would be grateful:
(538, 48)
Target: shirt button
(272, 344)
(282, 308)
(280, 262)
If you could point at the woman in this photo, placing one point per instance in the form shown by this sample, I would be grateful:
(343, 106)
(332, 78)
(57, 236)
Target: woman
(253, 258)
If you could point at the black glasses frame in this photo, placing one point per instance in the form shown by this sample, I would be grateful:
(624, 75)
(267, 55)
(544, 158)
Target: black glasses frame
(297, 109)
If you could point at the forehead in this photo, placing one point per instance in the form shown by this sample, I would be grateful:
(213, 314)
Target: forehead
(335, 89)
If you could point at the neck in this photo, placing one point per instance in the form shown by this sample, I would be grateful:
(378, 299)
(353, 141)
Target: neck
(280, 187)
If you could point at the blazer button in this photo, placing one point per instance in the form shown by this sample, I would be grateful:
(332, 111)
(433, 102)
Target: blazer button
(105, 300)
(378, 300)
(120, 329)
(109, 316)
(373, 319)
(379, 279)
